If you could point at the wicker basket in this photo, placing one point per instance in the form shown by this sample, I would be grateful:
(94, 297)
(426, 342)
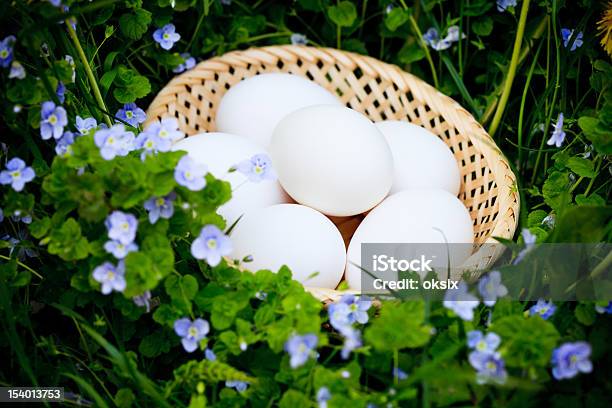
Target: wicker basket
(380, 91)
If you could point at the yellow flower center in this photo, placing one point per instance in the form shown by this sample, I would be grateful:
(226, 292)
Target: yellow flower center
(188, 175)
(111, 140)
(110, 275)
(129, 114)
(159, 202)
(149, 144)
(166, 36)
(491, 365)
(481, 346)
(125, 226)
(52, 119)
(16, 174)
(259, 169)
(163, 133)
(192, 332)
(4, 53)
(211, 243)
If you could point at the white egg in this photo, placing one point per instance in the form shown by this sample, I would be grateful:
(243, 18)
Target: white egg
(254, 106)
(332, 159)
(293, 235)
(421, 159)
(429, 218)
(219, 152)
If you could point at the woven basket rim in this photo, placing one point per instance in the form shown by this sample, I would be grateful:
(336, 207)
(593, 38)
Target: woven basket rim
(508, 199)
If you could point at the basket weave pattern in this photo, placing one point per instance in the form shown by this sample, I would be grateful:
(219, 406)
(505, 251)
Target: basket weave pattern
(380, 91)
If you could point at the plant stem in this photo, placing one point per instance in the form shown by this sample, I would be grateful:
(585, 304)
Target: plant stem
(88, 71)
(518, 40)
(24, 266)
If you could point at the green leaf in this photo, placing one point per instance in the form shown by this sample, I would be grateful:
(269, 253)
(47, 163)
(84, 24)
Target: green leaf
(583, 224)
(526, 342)
(135, 25)
(130, 85)
(597, 133)
(124, 398)
(581, 166)
(154, 345)
(294, 399)
(396, 18)
(68, 243)
(410, 52)
(344, 14)
(483, 26)
(556, 190)
(40, 228)
(593, 199)
(585, 313)
(383, 334)
(535, 218)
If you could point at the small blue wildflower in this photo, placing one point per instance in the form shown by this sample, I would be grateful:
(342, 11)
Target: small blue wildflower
(160, 207)
(52, 120)
(17, 174)
(358, 306)
(114, 141)
(143, 300)
(549, 221)
(298, 39)
(56, 3)
(558, 135)
(543, 309)
(6, 51)
(111, 277)
(118, 249)
(502, 5)
(352, 340)
(190, 174)
(461, 301)
(85, 125)
(188, 63)
(491, 288)
(432, 38)
(166, 36)
(210, 355)
(166, 129)
(239, 386)
(70, 61)
(399, 374)
(530, 240)
(567, 34)
(64, 144)
(300, 349)
(257, 168)
(60, 92)
(121, 227)
(18, 217)
(323, 395)
(131, 114)
(191, 332)
(338, 315)
(483, 343)
(454, 34)
(604, 309)
(489, 367)
(261, 295)
(389, 8)
(570, 359)
(211, 245)
(17, 70)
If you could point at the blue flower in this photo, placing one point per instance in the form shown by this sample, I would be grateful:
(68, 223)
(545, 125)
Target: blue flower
(131, 114)
(191, 332)
(85, 125)
(489, 367)
(432, 38)
(56, 3)
(190, 174)
(211, 245)
(491, 288)
(352, 340)
(60, 91)
(257, 168)
(160, 207)
(121, 227)
(570, 359)
(530, 240)
(558, 135)
(323, 395)
(300, 349)
(543, 309)
(114, 141)
(52, 120)
(604, 309)
(338, 315)
(166, 129)
(399, 374)
(111, 277)
(358, 306)
(143, 300)
(64, 144)
(17, 174)
(298, 39)
(6, 50)
(210, 355)
(166, 37)
(567, 34)
(240, 386)
(118, 249)
(461, 301)
(188, 63)
(502, 5)
(17, 217)
(17, 70)
(483, 343)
